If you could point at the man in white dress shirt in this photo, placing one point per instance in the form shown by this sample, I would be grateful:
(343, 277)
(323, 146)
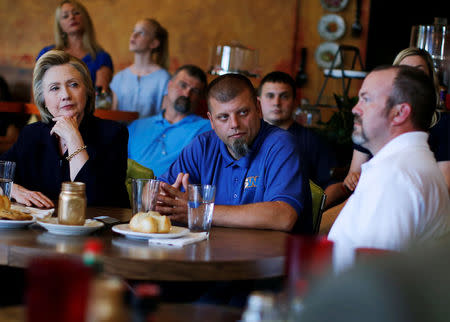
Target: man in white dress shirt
(401, 198)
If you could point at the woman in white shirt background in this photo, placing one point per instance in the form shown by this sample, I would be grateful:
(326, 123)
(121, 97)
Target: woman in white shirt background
(141, 87)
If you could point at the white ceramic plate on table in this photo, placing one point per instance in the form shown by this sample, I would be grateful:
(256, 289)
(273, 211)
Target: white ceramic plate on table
(53, 227)
(14, 224)
(124, 229)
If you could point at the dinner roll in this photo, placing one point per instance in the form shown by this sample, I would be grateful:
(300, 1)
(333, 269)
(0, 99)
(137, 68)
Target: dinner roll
(150, 222)
(164, 224)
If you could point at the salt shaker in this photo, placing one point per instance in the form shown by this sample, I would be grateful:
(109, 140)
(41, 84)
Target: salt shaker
(72, 204)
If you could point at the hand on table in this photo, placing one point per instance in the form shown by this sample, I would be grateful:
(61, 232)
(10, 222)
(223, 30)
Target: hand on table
(30, 198)
(172, 201)
(351, 180)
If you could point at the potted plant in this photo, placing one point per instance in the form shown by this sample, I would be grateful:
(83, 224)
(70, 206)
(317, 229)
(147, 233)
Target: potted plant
(338, 129)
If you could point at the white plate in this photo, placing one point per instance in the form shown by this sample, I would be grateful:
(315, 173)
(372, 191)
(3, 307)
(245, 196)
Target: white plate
(331, 27)
(334, 5)
(125, 230)
(4, 223)
(325, 54)
(53, 227)
(337, 73)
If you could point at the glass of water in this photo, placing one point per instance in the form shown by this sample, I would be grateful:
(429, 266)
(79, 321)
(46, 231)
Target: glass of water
(7, 169)
(200, 207)
(145, 192)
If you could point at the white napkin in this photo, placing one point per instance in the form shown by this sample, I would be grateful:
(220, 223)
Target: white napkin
(179, 242)
(36, 212)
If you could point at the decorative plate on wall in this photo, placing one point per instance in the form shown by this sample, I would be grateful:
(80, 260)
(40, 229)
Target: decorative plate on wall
(331, 27)
(325, 55)
(334, 5)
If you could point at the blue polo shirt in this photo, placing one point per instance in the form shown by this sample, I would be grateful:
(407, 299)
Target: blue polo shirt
(156, 143)
(271, 171)
(318, 157)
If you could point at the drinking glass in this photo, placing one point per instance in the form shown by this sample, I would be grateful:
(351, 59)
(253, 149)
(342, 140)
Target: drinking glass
(57, 289)
(200, 207)
(144, 194)
(308, 258)
(7, 169)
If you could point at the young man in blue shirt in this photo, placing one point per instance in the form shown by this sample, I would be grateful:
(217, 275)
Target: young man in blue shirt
(276, 94)
(156, 141)
(256, 167)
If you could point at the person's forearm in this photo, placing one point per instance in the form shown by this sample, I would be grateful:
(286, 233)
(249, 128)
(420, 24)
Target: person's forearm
(79, 158)
(336, 193)
(114, 101)
(77, 162)
(444, 166)
(275, 215)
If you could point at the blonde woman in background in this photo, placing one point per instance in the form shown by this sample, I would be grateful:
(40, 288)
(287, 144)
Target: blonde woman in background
(74, 33)
(142, 86)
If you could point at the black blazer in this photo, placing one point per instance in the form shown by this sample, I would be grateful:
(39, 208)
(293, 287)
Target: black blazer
(39, 166)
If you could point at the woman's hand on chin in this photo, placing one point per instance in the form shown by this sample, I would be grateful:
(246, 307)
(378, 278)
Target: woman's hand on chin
(30, 198)
(67, 129)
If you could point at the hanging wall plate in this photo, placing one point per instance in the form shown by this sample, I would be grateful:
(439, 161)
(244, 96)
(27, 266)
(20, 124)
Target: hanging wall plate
(325, 55)
(331, 27)
(334, 5)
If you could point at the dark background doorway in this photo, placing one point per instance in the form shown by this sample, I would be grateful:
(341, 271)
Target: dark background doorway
(391, 22)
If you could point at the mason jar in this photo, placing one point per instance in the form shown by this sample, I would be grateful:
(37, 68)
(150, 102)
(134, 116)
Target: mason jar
(72, 204)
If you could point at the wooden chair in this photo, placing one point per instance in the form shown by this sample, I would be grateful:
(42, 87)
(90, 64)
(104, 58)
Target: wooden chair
(136, 171)
(318, 198)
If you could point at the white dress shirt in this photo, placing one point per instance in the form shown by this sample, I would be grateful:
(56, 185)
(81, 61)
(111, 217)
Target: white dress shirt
(401, 199)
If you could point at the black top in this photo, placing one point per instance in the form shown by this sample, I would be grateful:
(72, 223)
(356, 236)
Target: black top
(316, 154)
(40, 167)
(363, 150)
(439, 138)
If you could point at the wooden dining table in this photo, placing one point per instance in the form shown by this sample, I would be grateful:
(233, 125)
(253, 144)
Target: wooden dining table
(228, 254)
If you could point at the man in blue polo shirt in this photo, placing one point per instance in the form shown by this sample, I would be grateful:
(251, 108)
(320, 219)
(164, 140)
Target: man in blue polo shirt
(156, 141)
(256, 167)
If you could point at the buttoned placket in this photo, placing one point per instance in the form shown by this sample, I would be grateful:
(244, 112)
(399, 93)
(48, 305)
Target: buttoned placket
(162, 139)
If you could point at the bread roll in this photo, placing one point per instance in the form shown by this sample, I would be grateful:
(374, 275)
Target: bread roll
(150, 222)
(164, 224)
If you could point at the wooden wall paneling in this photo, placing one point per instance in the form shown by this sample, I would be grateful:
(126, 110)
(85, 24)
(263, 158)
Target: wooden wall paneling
(194, 27)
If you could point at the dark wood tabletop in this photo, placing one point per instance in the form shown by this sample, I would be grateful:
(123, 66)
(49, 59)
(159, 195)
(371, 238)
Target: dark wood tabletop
(229, 254)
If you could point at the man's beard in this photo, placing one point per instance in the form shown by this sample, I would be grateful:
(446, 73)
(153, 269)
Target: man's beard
(359, 138)
(182, 105)
(239, 148)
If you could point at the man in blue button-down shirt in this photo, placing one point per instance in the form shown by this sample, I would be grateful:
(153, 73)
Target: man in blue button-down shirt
(156, 141)
(256, 167)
